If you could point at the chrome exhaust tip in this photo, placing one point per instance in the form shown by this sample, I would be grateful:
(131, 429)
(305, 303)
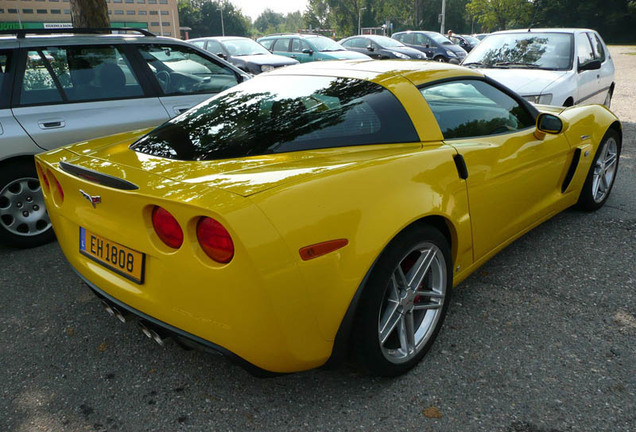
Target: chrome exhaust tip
(152, 333)
(113, 311)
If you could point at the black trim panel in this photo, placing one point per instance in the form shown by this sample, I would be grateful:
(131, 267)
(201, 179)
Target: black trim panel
(570, 174)
(462, 169)
(97, 177)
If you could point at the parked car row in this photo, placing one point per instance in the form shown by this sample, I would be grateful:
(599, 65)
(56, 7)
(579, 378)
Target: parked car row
(62, 89)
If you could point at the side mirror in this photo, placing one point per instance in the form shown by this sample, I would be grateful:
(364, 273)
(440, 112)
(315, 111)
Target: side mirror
(427, 45)
(370, 48)
(592, 65)
(223, 56)
(549, 124)
(308, 51)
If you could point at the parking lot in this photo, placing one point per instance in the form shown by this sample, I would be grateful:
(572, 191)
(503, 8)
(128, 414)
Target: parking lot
(540, 339)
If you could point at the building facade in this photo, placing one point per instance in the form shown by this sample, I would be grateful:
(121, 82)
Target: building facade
(158, 16)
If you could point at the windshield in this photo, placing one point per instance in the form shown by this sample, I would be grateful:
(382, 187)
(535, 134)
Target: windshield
(471, 40)
(322, 43)
(442, 40)
(551, 51)
(388, 42)
(244, 47)
(279, 114)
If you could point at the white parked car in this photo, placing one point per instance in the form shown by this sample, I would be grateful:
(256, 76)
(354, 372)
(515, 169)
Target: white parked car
(561, 67)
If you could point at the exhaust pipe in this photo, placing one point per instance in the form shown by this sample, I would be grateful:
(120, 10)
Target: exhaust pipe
(153, 332)
(114, 311)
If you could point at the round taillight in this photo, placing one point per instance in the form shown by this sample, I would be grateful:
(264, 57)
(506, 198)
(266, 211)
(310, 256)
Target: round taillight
(215, 241)
(167, 227)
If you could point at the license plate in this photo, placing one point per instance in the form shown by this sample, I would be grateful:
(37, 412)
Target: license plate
(118, 258)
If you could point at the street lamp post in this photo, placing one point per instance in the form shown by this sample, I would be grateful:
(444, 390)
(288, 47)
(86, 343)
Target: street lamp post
(222, 26)
(359, 18)
(441, 30)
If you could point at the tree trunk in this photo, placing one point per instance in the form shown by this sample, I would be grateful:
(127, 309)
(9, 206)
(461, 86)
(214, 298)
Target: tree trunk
(89, 13)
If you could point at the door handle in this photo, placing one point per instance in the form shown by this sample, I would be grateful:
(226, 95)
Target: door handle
(51, 124)
(293, 56)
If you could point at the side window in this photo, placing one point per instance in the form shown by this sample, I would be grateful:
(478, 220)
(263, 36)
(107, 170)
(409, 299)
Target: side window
(199, 43)
(473, 108)
(599, 52)
(181, 70)
(77, 74)
(267, 43)
(215, 47)
(305, 46)
(359, 43)
(584, 49)
(4, 63)
(281, 45)
(422, 39)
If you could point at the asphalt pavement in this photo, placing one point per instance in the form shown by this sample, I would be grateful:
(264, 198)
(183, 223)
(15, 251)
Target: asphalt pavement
(540, 339)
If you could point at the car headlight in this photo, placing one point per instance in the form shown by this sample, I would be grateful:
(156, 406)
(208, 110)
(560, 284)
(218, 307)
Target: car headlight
(543, 99)
(267, 68)
(450, 53)
(400, 55)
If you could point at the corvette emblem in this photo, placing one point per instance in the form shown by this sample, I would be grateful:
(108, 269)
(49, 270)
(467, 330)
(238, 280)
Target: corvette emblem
(91, 199)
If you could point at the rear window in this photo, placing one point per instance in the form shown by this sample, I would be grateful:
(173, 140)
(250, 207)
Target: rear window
(279, 114)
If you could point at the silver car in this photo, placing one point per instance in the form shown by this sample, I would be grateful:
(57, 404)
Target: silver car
(57, 89)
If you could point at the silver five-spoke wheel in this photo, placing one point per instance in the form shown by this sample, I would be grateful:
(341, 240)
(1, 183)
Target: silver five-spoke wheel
(413, 303)
(605, 170)
(403, 301)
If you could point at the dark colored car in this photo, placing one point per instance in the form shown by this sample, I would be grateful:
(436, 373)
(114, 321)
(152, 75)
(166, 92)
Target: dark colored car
(381, 47)
(435, 45)
(243, 53)
(465, 41)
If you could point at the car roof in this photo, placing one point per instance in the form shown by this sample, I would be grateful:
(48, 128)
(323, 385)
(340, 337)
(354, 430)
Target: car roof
(219, 38)
(288, 35)
(546, 30)
(417, 71)
(83, 39)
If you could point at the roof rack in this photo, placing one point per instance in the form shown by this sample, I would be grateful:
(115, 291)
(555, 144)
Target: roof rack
(21, 33)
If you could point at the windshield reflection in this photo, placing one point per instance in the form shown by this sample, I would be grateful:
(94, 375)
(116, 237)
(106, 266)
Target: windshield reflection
(551, 51)
(280, 114)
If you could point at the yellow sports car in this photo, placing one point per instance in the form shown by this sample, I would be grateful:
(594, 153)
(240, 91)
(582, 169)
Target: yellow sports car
(323, 209)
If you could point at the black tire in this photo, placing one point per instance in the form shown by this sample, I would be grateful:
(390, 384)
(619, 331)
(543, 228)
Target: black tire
(24, 222)
(386, 307)
(441, 59)
(600, 179)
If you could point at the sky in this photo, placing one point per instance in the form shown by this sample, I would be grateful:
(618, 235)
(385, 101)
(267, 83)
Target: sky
(253, 8)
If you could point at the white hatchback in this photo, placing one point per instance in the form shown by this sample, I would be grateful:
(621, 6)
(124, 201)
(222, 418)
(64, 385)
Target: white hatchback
(561, 67)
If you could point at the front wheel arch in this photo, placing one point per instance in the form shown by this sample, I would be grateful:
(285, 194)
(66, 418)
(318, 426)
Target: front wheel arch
(342, 342)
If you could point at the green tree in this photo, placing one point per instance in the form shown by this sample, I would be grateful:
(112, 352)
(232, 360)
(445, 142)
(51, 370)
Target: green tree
(501, 14)
(269, 21)
(204, 18)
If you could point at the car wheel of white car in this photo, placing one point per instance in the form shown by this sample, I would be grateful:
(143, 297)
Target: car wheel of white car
(24, 221)
(404, 302)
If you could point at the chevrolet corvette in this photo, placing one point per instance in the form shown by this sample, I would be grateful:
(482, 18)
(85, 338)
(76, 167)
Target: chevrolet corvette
(321, 211)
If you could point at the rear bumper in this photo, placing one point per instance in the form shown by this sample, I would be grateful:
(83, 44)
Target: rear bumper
(178, 333)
